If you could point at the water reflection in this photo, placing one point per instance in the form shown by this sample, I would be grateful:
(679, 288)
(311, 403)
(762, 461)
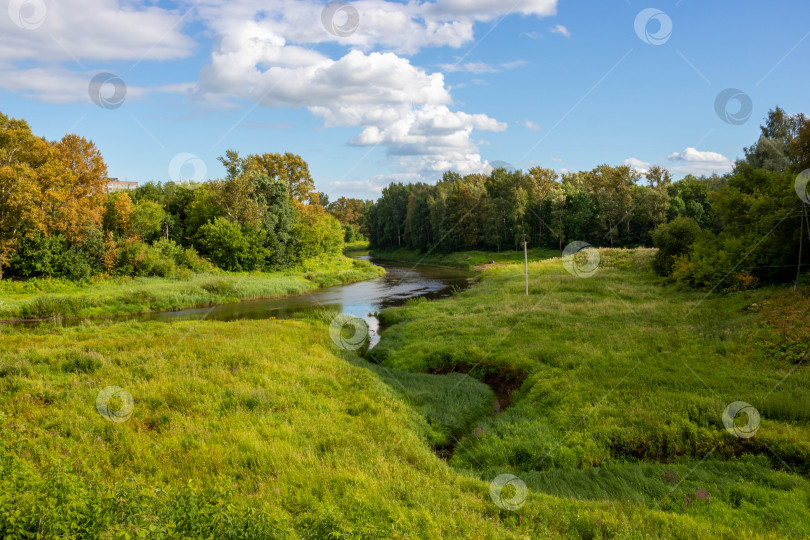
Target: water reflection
(362, 299)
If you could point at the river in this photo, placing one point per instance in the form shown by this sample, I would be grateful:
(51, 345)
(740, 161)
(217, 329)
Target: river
(362, 299)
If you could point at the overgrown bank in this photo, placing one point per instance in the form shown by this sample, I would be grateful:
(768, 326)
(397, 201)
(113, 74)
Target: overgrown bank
(626, 383)
(462, 259)
(118, 296)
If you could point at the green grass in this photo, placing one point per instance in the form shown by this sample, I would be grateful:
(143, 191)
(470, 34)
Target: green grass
(53, 298)
(623, 374)
(257, 429)
(265, 429)
(355, 249)
(463, 259)
(451, 404)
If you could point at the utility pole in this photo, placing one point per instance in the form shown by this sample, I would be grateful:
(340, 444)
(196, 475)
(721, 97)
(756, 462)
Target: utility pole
(801, 241)
(526, 262)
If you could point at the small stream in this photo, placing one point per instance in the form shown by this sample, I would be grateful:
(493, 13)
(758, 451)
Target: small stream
(362, 299)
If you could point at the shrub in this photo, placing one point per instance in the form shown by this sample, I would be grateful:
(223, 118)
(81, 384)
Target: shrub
(139, 259)
(673, 239)
(231, 248)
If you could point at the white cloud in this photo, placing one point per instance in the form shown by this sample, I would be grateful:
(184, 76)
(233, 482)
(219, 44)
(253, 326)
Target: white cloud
(55, 61)
(98, 30)
(531, 125)
(557, 159)
(395, 104)
(694, 155)
(61, 86)
(513, 64)
(637, 164)
(391, 25)
(373, 185)
(469, 67)
(700, 163)
(481, 67)
(265, 125)
(265, 53)
(692, 161)
(562, 30)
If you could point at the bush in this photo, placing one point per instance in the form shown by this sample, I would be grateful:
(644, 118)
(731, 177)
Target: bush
(139, 259)
(232, 248)
(352, 234)
(37, 255)
(53, 256)
(673, 239)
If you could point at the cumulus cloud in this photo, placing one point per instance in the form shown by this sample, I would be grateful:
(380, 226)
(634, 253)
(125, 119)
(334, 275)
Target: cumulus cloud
(637, 164)
(690, 161)
(562, 30)
(265, 53)
(694, 155)
(40, 41)
(260, 56)
(699, 163)
(99, 30)
(402, 27)
(531, 125)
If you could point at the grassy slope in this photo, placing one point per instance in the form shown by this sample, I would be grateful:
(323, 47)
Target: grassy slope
(48, 298)
(625, 385)
(463, 259)
(257, 429)
(252, 429)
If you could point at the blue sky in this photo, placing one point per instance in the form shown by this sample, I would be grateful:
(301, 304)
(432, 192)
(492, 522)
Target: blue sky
(410, 90)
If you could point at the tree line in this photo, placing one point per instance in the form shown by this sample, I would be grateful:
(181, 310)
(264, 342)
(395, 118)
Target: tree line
(709, 230)
(57, 220)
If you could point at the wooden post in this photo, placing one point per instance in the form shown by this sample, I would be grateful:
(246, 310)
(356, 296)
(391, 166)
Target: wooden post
(526, 262)
(801, 241)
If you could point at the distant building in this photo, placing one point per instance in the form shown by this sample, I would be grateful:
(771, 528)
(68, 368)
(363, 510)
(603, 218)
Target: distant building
(113, 185)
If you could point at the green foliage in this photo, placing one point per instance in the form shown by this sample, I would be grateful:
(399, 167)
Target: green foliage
(260, 217)
(351, 235)
(604, 206)
(231, 248)
(147, 220)
(54, 256)
(138, 258)
(748, 220)
(673, 239)
(759, 217)
(317, 233)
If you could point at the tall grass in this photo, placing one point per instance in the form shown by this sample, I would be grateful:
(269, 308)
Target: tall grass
(141, 295)
(620, 370)
(463, 259)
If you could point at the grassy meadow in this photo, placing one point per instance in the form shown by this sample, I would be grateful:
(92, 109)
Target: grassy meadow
(463, 259)
(266, 429)
(624, 382)
(46, 298)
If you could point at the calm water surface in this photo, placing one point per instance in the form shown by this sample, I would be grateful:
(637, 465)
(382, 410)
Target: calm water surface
(362, 299)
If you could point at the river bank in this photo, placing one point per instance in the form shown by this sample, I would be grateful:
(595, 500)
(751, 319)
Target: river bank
(463, 259)
(44, 299)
